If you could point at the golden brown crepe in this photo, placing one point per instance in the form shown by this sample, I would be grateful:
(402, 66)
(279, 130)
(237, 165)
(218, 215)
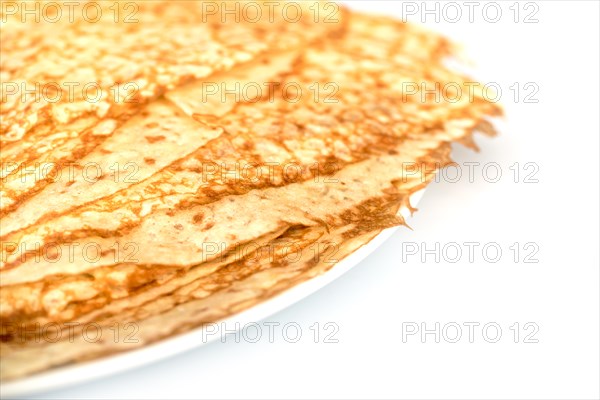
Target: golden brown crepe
(133, 62)
(222, 176)
(301, 134)
(136, 151)
(261, 275)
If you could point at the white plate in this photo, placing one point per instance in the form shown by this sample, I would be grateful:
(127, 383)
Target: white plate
(82, 372)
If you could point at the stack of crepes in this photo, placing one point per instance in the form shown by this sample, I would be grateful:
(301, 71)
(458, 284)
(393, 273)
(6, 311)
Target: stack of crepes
(206, 196)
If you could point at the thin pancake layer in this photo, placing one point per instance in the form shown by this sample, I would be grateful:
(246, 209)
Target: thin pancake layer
(147, 143)
(179, 238)
(275, 135)
(60, 298)
(155, 45)
(170, 44)
(214, 297)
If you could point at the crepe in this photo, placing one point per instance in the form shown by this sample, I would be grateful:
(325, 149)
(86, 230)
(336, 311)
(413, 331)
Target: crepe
(61, 299)
(135, 151)
(259, 276)
(171, 43)
(281, 130)
(157, 45)
(332, 165)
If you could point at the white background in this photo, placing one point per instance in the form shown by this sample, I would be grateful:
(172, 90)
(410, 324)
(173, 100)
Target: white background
(559, 294)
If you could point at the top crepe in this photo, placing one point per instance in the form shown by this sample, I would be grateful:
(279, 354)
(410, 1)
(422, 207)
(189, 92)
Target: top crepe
(126, 64)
